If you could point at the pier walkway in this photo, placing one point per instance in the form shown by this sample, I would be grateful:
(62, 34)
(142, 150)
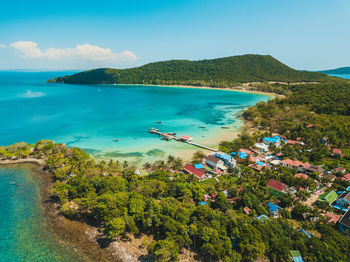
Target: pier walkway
(170, 136)
(201, 146)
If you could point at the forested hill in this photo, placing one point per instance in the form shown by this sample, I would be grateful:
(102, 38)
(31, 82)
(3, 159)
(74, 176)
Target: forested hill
(341, 70)
(220, 72)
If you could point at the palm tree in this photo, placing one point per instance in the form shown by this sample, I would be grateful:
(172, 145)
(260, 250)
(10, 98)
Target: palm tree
(147, 165)
(170, 159)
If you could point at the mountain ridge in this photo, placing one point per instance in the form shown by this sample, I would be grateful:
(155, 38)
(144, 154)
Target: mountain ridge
(341, 71)
(221, 72)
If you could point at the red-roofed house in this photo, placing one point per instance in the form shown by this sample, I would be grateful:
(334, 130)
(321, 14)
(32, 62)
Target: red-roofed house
(310, 125)
(185, 138)
(333, 217)
(346, 177)
(277, 186)
(292, 142)
(294, 164)
(301, 175)
(340, 170)
(194, 171)
(246, 210)
(337, 151)
(248, 152)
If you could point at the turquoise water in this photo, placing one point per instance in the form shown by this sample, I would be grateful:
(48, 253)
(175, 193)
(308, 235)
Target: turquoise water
(90, 117)
(346, 76)
(23, 234)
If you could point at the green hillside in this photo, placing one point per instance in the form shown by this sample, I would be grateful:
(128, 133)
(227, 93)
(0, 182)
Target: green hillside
(215, 72)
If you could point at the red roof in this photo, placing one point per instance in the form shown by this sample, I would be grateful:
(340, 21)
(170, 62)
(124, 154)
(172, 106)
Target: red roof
(295, 163)
(185, 137)
(310, 125)
(276, 185)
(340, 169)
(194, 171)
(292, 142)
(346, 177)
(246, 210)
(300, 175)
(337, 151)
(333, 217)
(248, 152)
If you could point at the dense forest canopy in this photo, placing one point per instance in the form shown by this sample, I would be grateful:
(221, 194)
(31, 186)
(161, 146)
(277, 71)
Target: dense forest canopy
(221, 72)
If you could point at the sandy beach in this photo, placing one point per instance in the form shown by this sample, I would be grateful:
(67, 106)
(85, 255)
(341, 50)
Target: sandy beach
(235, 89)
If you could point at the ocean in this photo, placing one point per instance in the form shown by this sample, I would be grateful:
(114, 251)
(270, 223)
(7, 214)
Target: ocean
(345, 76)
(25, 234)
(91, 116)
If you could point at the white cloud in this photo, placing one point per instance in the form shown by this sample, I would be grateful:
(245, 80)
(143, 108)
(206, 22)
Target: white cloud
(2, 46)
(29, 49)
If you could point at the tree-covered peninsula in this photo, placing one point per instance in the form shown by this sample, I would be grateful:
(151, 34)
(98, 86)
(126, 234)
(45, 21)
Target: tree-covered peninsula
(221, 72)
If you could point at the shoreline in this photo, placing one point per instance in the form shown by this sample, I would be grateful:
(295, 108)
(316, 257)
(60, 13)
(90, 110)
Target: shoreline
(75, 234)
(235, 89)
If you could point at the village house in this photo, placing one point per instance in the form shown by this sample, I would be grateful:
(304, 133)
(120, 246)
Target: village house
(301, 175)
(185, 138)
(337, 152)
(346, 177)
(228, 160)
(344, 223)
(215, 163)
(276, 140)
(277, 187)
(343, 202)
(246, 210)
(333, 218)
(274, 210)
(314, 169)
(340, 170)
(200, 175)
(295, 164)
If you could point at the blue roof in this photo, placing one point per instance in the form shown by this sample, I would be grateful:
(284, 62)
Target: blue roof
(348, 188)
(223, 156)
(202, 203)
(242, 155)
(298, 259)
(263, 218)
(199, 166)
(309, 235)
(272, 207)
(233, 153)
(271, 139)
(260, 163)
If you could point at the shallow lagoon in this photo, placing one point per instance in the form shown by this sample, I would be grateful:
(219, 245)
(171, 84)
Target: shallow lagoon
(91, 116)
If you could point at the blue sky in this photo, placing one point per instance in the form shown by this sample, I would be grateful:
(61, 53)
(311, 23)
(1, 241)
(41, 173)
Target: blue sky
(304, 34)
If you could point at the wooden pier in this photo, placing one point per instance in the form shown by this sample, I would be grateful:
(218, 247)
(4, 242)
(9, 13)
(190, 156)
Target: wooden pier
(171, 136)
(201, 146)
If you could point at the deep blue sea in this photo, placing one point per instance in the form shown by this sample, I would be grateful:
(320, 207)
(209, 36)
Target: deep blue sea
(91, 116)
(24, 234)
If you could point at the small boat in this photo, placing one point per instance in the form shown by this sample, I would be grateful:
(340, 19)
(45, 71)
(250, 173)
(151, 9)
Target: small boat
(15, 183)
(225, 127)
(158, 122)
(202, 127)
(116, 140)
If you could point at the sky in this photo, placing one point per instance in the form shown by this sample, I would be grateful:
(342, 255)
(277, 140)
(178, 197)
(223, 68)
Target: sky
(74, 34)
